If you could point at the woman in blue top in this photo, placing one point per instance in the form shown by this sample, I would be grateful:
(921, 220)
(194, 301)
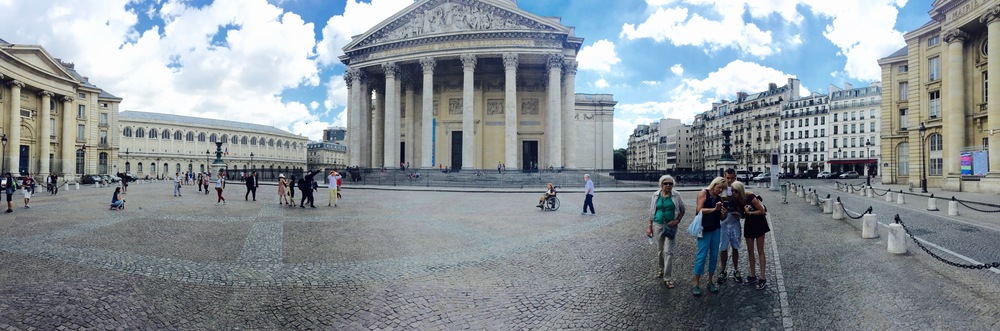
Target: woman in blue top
(711, 209)
(666, 209)
(116, 199)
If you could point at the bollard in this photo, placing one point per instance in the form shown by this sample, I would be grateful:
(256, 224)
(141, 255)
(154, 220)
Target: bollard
(77, 186)
(932, 203)
(812, 199)
(897, 239)
(800, 193)
(870, 192)
(863, 192)
(899, 198)
(953, 207)
(838, 211)
(828, 206)
(888, 196)
(869, 227)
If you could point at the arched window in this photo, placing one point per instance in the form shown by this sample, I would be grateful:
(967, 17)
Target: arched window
(244, 141)
(128, 167)
(178, 168)
(127, 132)
(903, 159)
(178, 135)
(279, 144)
(152, 134)
(235, 140)
(225, 138)
(213, 138)
(152, 168)
(201, 137)
(286, 144)
(253, 141)
(270, 142)
(190, 136)
(138, 167)
(935, 159)
(140, 133)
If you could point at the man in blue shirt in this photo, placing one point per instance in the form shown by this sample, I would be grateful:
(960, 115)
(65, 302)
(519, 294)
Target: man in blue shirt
(588, 191)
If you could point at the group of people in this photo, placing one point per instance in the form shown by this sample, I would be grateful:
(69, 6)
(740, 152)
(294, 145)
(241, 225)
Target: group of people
(722, 205)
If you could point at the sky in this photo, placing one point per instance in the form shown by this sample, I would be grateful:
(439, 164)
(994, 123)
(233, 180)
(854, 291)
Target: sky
(274, 62)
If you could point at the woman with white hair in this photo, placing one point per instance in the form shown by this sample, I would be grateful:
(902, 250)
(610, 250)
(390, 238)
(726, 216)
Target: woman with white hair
(711, 209)
(666, 209)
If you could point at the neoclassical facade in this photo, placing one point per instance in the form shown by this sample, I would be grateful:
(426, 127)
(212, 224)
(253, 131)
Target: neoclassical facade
(468, 84)
(54, 119)
(939, 124)
(154, 145)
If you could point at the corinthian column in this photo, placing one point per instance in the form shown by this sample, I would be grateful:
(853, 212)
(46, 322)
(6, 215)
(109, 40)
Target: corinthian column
(378, 127)
(410, 111)
(68, 145)
(354, 112)
(992, 20)
(468, 135)
(954, 104)
(427, 115)
(510, 110)
(570, 139)
(391, 148)
(553, 120)
(43, 136)
(14, 139)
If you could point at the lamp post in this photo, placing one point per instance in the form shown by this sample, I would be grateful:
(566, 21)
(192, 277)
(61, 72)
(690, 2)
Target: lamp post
(749, 156)
(868, 153)
(127, 165)
(3, 168)
(207, 154)
(923, 166)
(251, 161)
(83, 148)
(840, 153)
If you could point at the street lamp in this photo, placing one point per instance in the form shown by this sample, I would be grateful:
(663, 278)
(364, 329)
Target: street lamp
(868, 175)
(923, 166)
(83, 148)
(251, 161)
(207, 154)
(749, 156)
(127, 166)
(3, 168)
(840, 153)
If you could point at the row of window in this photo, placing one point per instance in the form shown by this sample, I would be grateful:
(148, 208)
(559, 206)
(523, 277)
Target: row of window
(177, 167)
(178, 135)
(935, 159)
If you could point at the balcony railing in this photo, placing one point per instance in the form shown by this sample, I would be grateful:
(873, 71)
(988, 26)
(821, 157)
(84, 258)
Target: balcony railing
(802, 150)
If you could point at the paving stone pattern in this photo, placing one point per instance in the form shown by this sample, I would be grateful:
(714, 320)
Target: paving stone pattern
(429, 260)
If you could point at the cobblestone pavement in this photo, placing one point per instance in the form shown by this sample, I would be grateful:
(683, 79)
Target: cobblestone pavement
(441, 260)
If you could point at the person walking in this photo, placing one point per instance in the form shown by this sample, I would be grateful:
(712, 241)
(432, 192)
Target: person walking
(55, 183)
(755, 227)
(205, 180)
(282, 190)
(588, 191)
(666, 209)
(251, 182)
(220, 184)
(177, 184)
(334, 179)
(291, 191)
(198, 181)
(731, 229)
(711, 209)
(9, 187)
(27, 187)
(306, 185)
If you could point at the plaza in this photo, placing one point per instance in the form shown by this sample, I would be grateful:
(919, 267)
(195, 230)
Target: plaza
(414, 258)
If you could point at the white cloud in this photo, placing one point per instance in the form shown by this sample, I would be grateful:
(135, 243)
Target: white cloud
(358, 17)
(651, 82)
(315, 105)
(601, 83)
(677, 69)
(681, 29)
(599, 57)
(864, 32)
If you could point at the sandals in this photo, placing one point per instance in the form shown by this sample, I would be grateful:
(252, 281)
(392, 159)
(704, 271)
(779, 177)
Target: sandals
(669, 283)
(696, 291)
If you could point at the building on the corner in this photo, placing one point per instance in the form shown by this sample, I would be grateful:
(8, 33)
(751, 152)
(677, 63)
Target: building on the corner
(804, 135)
(331, 153)
(155, 145)
(641, 151)
(470, 83)
(854, 120)
(334, 134)
(938, 124)
(54, 119)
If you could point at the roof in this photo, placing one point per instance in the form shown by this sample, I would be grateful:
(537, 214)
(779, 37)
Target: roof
(147, 116)
(901, 52)
(3, 42)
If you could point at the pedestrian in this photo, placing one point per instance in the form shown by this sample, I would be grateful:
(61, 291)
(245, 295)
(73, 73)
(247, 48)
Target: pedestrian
(9, 187)
(177, 184)
(499, 168)
(282, 190)
(205, 180)
(125, 179)
(220, 184)
(340, 184)
(731, 230)
(588, 191)
(291, 191)
(26, 188)
(251, 182)
(200, 177)
(55, 183)
(333, 178)
(753, 231)
(666, 209)
(306, 185)
(48, 184)
(116, 199)
(711, 209)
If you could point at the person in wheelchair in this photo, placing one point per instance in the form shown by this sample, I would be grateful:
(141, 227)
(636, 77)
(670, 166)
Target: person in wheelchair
(550, 192)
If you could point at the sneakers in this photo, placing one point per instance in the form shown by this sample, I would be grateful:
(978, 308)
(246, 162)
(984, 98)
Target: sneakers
(713, 288)
(696, 291)
(10, 210)
(737, 277)
(761, 284)
(583, 213)
(751, 280)
(722, 278)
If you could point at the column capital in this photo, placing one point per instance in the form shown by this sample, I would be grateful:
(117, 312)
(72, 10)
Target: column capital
(468, 62)
(391, 70)
(569, 66)
(510, 61)
(956, 35)
(16, 83)
(352, 75)
(67, 99)
(555, 61)
(44, 93)
(992, 15)
(428, 64)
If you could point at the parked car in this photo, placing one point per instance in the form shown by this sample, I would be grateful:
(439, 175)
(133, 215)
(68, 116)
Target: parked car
(825, 174)
(850, 174)
(762, 177)
(90, 179)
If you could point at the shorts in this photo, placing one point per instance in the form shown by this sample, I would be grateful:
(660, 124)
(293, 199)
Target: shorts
(731, 233)
(27, 193)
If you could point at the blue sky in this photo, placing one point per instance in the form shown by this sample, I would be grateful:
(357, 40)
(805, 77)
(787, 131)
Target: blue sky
(275, 62)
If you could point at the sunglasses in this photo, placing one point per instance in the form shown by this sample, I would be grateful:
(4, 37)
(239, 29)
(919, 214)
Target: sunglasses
(667, 183)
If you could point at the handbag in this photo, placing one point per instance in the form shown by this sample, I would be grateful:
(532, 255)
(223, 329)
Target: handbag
(669, 232)
(695, 228)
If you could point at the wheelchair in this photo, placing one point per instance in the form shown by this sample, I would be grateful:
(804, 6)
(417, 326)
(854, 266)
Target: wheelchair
(551, 204)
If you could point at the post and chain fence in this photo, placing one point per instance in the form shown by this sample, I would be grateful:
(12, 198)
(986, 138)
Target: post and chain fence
(939, 258)
(961, 202)
(848, 213)
(881, 195)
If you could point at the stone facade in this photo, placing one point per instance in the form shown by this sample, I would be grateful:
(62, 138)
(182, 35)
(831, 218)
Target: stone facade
(937, 97)
(854, 122)
(469, 83)
(54, 119)
(805, 129)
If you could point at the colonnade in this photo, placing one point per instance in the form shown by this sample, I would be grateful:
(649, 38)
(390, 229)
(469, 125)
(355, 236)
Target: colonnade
(13, 129)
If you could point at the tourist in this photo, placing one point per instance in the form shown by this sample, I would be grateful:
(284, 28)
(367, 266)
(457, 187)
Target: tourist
(711, 209)
(588, 191)
(666, 209)
(753, 231)
(730, 234)
(251, 182)
(55, 183)
(220, 184)
(116, 200)
(26, 188)
(291, 192)
(205, 180)
(333, 177)
(200, 177)
(9, 188)
(282, 190)
(177, 184)
(306, 184)
(550, 191)
(499, 168)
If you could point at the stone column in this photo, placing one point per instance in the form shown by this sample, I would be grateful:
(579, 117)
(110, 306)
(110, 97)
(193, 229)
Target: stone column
(68, 144)
(43, 136)
(953, 108)
(391, 156)
(378, 128)
(426, 148)
(510, 61)
(366, 122)
(992, 20)
(553, 120)
(570, 139)
(354, 114)
(468, 127)
(14, 138)
(410, 110)
(607, 152)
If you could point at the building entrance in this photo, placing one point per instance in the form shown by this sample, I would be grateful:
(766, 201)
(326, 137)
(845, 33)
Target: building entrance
(529, 155)
(456, 150)
(22, 166)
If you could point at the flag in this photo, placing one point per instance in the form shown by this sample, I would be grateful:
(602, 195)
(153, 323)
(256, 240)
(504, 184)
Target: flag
(227, 150)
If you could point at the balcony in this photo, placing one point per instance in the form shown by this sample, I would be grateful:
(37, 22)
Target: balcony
(802, 151)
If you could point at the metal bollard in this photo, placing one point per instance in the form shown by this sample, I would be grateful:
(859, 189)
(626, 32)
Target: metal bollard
(899, 198)
(888, 196)
(932, 203)
(953, 207)
(897, 239)
(869, 227)
(838, 211)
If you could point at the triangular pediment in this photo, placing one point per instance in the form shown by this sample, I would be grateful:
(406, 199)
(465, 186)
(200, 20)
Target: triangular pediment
(36, 58)
(428, 18)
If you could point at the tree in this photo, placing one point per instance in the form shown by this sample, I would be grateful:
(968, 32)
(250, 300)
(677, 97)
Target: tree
(620, 160)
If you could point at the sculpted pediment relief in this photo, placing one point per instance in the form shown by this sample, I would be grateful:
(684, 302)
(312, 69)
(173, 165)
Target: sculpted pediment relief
(39, 60)
(435, 17)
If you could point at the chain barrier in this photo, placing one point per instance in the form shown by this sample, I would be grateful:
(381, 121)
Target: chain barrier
(974, 208)
(881, 195)
(954, 264)
(848, 213)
